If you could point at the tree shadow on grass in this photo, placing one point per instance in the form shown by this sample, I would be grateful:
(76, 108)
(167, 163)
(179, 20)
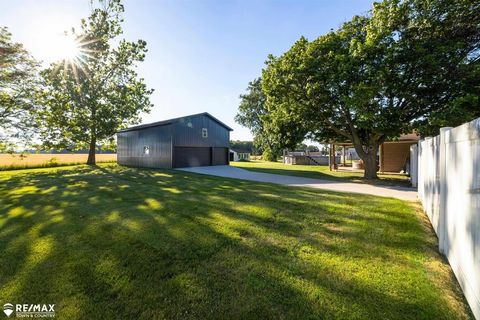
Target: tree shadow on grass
(115, 242)
(384, 180)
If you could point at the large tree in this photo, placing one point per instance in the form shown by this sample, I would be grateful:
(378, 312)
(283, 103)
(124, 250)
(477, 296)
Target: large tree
(379, 75)
(87, 99)
(18, 81)
(252, 113)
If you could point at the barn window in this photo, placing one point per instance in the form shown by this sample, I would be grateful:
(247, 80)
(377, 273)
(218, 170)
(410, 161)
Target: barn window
(204, 133)
(146, 150)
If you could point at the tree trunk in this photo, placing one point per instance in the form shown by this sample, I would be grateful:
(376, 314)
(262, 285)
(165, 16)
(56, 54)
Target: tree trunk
(369, 159)
(368, 156)
(370, 165)
(91, 152)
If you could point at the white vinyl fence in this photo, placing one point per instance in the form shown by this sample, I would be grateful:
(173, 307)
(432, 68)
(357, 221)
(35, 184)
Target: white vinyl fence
(448, 178)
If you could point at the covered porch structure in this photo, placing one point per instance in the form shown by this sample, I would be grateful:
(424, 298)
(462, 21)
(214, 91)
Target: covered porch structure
(393, 156)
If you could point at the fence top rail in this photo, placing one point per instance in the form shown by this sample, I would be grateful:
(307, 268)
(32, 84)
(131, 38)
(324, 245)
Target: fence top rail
(465, 132)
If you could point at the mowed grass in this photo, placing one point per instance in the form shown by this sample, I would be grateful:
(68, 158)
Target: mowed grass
(111, 242)
(44, 160)
(319, 172)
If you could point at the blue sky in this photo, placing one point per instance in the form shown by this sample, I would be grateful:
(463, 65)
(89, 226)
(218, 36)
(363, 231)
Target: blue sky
(202, 53)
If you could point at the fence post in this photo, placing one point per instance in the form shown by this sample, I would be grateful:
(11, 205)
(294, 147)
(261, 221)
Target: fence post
(420, 172)
(414, 165)
(442, 234)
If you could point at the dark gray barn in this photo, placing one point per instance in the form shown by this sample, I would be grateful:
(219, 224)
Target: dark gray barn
(191, 141)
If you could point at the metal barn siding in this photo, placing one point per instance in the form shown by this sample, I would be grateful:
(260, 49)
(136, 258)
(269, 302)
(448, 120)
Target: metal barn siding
(132, 144)
(188, 132)
(196, 140)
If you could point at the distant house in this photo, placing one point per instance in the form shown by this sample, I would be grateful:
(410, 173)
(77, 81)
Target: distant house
(239, 155)
(190, 141)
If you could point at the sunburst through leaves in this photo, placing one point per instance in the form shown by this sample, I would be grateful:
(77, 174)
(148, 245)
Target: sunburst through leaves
(73, 51)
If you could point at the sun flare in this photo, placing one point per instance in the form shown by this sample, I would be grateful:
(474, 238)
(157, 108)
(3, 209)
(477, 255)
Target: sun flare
(68, 48)
(71, 53)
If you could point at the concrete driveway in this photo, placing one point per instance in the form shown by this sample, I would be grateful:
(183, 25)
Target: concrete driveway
(402, 193)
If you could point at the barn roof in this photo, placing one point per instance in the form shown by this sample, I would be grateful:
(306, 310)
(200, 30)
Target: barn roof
(169, 121)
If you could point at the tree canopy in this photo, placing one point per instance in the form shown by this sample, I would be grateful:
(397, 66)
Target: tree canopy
(245, 145)
(253, 114)
(18, 80)
(406, 65)
(86, 100)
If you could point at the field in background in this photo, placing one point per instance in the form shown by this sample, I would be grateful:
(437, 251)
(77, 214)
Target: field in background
(17, 161)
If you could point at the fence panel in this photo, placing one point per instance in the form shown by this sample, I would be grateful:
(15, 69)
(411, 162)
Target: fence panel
(429, 178)
(449, 190)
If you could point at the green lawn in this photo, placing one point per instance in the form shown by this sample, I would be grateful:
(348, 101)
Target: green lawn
(319, 172)
(110, 242)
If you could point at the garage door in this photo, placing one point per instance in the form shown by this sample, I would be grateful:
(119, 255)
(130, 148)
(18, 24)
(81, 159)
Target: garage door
(220, 156)
(191, 157)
